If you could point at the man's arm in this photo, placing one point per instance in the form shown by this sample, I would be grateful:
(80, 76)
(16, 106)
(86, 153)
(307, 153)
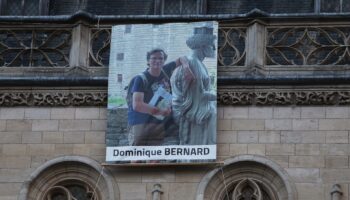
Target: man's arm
(140, 106)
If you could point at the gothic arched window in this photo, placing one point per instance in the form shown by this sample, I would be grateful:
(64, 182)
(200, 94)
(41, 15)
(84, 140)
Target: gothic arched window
(70, 178)
(247, 177)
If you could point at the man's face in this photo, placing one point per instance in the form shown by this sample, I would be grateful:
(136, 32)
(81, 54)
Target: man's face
(156, 61)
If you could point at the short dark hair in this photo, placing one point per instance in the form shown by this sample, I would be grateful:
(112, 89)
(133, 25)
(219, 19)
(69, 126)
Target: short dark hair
(156, 51)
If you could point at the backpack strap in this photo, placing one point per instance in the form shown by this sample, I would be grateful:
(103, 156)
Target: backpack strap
(166, 75)
(144, 79)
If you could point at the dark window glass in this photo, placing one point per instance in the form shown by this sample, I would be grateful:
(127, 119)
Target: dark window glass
(346, 5)
(120, 7)
(120, 78)
(180, 7)
(270, 6)
(19, 7)
(120, 56)
(330, 6)
(127, 28)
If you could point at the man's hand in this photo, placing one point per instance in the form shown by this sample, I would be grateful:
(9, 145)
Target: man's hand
(165, 112)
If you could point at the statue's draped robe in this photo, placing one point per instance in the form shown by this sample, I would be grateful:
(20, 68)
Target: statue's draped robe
(194, 105)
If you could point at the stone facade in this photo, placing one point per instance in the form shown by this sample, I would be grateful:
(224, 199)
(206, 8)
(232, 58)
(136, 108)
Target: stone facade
(283, 96)
(309, 144)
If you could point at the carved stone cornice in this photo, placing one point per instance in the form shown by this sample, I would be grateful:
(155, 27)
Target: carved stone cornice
(54, 97)
(227, 95)
(279, 95)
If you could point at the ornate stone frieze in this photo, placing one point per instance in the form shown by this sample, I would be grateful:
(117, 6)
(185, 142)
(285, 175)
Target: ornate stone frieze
(228, 95)
(265, 96)
(54, 97)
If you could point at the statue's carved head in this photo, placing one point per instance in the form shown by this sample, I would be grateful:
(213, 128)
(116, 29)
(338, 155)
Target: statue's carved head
(202, 36)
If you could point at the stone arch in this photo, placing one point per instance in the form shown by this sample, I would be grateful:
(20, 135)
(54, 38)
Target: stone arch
(69, 168)
(221, 182)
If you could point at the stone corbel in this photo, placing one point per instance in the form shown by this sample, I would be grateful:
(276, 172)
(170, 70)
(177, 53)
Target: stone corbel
(156, 192)
(336, 192)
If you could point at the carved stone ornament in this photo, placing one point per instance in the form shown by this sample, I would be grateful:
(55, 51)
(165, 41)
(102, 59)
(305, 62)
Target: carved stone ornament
(228, 95)
(273, 95)
(53, 97)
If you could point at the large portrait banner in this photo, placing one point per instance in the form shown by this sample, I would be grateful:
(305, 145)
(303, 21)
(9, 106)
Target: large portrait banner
(162, 93)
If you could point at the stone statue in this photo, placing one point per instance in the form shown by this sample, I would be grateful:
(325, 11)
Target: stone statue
(194, 102)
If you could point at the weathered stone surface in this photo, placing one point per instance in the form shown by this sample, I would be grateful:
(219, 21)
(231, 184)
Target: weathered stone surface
(248, 125)
(224, 125)
(305, 188)
(37, 113)
(74, 137)
(337, 137)
(304, 175)
(337, 161)
(337, 112)
(269, 137)
(98, 125)
(280, 149)
(62, 113)
(335, 149)
(10, 137)
(32, 137)
(182, 191)
(11, 113)
(303, 137)
(260, 112)
(334, 124)
(52, 137)
(305, 124)
(235, 113)
(14, 149)
(226, 137)
(132, 191)
(307, 149)
(45, 125)
(307, 161)
(278, 124)
(257, 149)
(18, 125)
(95, 137)
(287, 112)
(247, 136)
(313, 112)
(237, 149)
(75, 125)
(87, 113)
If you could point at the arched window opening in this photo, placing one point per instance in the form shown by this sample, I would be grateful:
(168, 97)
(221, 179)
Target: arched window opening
(70, 178)
(248, 189)
(71, 190)
(247, 177)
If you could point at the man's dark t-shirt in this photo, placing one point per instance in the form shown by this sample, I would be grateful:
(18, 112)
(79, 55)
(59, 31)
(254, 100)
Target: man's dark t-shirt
(135, 117)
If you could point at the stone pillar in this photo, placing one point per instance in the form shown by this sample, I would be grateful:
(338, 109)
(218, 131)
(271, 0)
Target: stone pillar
(255, 47)
(79, 53)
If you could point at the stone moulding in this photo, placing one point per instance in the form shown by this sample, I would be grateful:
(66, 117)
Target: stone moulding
(227, 95)
(53, 97)
(277, 95)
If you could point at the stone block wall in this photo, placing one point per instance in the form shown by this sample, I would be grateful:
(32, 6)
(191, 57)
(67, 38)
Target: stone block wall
(310, 143)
